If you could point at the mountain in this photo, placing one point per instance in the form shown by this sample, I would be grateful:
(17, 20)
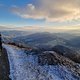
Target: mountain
(67, 52)
(55, 58)
(40, 39)
(75, 42)
(8, 35)
(47, 65)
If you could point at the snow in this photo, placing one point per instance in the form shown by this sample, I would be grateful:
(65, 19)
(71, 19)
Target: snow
(25, 66)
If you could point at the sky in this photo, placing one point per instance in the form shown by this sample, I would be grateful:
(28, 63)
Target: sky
(41, 13)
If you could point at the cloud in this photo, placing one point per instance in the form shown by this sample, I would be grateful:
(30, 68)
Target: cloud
(50, 10)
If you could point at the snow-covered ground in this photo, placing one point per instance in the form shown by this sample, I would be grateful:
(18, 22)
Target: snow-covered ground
(24, 66)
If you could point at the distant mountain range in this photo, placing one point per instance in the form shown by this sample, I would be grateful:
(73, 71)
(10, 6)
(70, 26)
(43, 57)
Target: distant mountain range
(41, 38)
(42, 29)
(26, 28)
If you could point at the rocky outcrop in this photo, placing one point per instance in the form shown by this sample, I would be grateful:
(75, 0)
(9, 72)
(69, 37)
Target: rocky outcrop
(69, 53)
(0, 42)
(52, 58)
(4, 63)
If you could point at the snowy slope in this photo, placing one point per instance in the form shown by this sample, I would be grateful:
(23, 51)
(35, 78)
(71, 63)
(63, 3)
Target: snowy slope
(25, 67)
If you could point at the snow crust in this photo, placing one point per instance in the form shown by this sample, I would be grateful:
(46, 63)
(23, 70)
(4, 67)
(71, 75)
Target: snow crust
(25, 66)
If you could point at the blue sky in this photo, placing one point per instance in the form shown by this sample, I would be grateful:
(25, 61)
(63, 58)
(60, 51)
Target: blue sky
(8, 18)
(53, 13)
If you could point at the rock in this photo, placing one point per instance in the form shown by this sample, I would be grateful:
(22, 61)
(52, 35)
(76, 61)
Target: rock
(0, 42)
(69, 53)
(4, 63)
(52, 58)
(47, 57)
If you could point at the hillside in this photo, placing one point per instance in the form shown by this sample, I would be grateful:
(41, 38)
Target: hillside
(46, 65)
(41, 56)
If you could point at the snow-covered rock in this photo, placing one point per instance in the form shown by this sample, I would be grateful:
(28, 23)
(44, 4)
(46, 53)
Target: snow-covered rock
(25, 66)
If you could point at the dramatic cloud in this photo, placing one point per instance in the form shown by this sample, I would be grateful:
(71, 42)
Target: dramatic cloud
(50, 10)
